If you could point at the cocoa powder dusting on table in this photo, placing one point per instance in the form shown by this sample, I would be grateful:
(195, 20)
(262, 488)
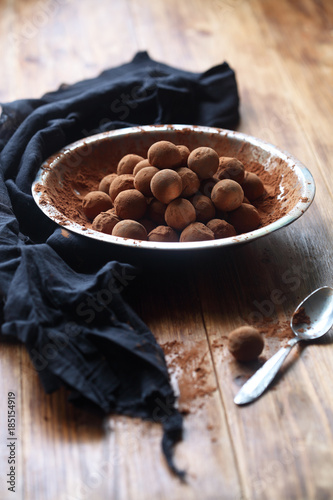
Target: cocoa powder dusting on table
(270, 328)
(190, 366)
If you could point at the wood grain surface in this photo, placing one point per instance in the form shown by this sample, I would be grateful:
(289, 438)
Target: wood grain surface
(280, 447)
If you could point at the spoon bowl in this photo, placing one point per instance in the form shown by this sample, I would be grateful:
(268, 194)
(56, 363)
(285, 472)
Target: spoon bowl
(312, 318)
(318, 317)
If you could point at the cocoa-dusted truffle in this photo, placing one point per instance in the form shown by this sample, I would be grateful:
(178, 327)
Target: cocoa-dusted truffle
(130, 204)
(121, 183)
(140, 165)
(227, 195)
(130, 229)
(127, 163)
(96, 202)
(179, 213)
(190, 181)
(156, 211)
(245, 218)
(142, 179)
(221, 228)
(245, 343)
(166, 185)
(105, 222)
(163, 233)
(105, 183)
(204, 207)
(204, 161)
(197, 231)
(230, 168)
(164, 154)
(253, 186)
(184, 153)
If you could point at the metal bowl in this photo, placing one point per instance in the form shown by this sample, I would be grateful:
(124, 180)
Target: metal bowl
(99, 155)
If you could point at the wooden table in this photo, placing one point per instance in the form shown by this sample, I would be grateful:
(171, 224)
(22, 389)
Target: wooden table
(280, 447)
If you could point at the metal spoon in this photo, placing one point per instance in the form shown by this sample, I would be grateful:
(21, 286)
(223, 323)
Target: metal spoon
(318, 319)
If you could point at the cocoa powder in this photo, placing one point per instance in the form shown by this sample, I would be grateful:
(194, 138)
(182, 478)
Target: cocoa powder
(300, 317)
(190, 365)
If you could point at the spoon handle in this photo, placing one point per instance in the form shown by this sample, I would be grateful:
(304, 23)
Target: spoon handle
(256, 385)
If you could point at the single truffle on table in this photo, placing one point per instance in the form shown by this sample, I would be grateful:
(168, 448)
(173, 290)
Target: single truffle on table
(227, 195)
(245, 343)
(221, 228)
(204, 207)
(190, 181)
(96, 202)
(127, 163)
(245, 218)
(156, 211)
(164, 234)
(130, 204)
(184, 153)
(166, 185)
(164, 154)
(230, 168)
(121, 183)
(253, 186)
(105, 183)
(197, 231)
(179, 214)
(105, 222)
(142, 179)
(130, 229)
(204, 161)
(140, 165)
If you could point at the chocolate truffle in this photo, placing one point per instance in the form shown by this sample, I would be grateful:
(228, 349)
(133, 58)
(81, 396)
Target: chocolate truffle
(204, 207)
(164, 154)
(190, 181)
(204, 161)
(130, 229)
(163, 233)
(221, 228)
(184, 153)
(127, 163)
(227, 195)
(156, 211)
(197, 231)
(166, 185)
(105, 183)
(121, 183)
(105, 222)
(140, 165)
(130, 204)
(95, 202)
(142, 179)
(245, 218)
(253, 186)
(245, 343)
(230, 168)
(179, 214)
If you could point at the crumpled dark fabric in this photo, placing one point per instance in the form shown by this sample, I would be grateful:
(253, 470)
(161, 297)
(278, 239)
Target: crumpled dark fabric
(62, 297)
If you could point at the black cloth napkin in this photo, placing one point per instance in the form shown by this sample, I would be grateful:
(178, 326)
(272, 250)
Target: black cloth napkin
(62, 297)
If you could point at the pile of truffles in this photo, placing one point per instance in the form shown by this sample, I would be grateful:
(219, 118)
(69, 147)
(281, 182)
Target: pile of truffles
(175, 195)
